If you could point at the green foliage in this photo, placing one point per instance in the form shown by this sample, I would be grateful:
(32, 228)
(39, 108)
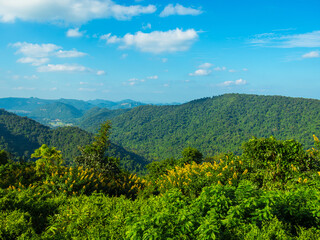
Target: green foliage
(49, 159)
(276, 162)
(94, 154)
(271, 191)
(4, 157)
(190, 155)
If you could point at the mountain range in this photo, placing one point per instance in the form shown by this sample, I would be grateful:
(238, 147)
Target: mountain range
(212, 125)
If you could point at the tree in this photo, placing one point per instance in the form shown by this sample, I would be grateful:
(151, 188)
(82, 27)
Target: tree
(48, 158)
(94, 155)
(190, 155)
(4, 157)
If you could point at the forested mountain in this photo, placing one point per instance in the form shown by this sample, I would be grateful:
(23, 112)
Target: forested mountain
(56, 110)
(63, 112)
(21, 136)
(25, 105)
(92, 119)
(216, 124)
(124, 104)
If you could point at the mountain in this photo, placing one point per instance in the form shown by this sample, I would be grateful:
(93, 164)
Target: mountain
(61, 112)
(21, 136)
(124, 104)
(22, 105)
(213, 125)
(92, 119)
(56, 110)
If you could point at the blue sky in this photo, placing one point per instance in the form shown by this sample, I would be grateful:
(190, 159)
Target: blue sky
(159, 51)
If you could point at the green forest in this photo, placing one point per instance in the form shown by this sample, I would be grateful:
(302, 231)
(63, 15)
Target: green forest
(228, 167)
(212, 125)
(270, 191)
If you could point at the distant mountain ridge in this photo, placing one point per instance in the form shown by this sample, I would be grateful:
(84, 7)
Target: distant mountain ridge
(30, 104)
(60, 112)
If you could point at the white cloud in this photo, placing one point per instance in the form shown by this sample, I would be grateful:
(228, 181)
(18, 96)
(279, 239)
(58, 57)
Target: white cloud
(69, 54)
(153, 77)
(33, 77)
(240, 82)
(311, 39)
(133, 81)
(53, 89)
(179, 10)
(232, 70)
(62, 68)
(166, 85)
(83, 83)
(34, 61)
(87, 89)
(74, 32)
(100, 72)
(230, 83)
(220, 69)
(206, 65)
(68, 11)
(37, 53)
(164, 60)
(201, 72)
(313, 54)
(124, 56)
(146, 26)
(35, 50)
(245, 69)
(24, 88)
(157, 41)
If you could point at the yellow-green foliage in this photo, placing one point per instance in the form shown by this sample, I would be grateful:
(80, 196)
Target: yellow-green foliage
(191, 178)
(77, 180)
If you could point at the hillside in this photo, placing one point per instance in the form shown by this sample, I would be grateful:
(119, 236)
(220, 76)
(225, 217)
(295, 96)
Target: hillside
(92, 119)
(64, 112)
(21, 136)
(216, 124)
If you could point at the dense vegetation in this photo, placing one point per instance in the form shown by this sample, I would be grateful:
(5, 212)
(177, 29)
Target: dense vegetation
(21, 136)
(271, 191)
(214, 125)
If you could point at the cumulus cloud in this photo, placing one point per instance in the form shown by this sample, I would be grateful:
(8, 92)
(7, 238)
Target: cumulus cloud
(201, 72)
(100, 72)
(34, 61)
(311, 39)
(36, 50)
(69, 54)
(68, 11)
(179, 10)
(38, 53)
(157, 41)
(220, 69)
(153, 77)
(146, 26)
(236, 82)
(74, 32)
(206, 65)
(62, 68)
(313, 54)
